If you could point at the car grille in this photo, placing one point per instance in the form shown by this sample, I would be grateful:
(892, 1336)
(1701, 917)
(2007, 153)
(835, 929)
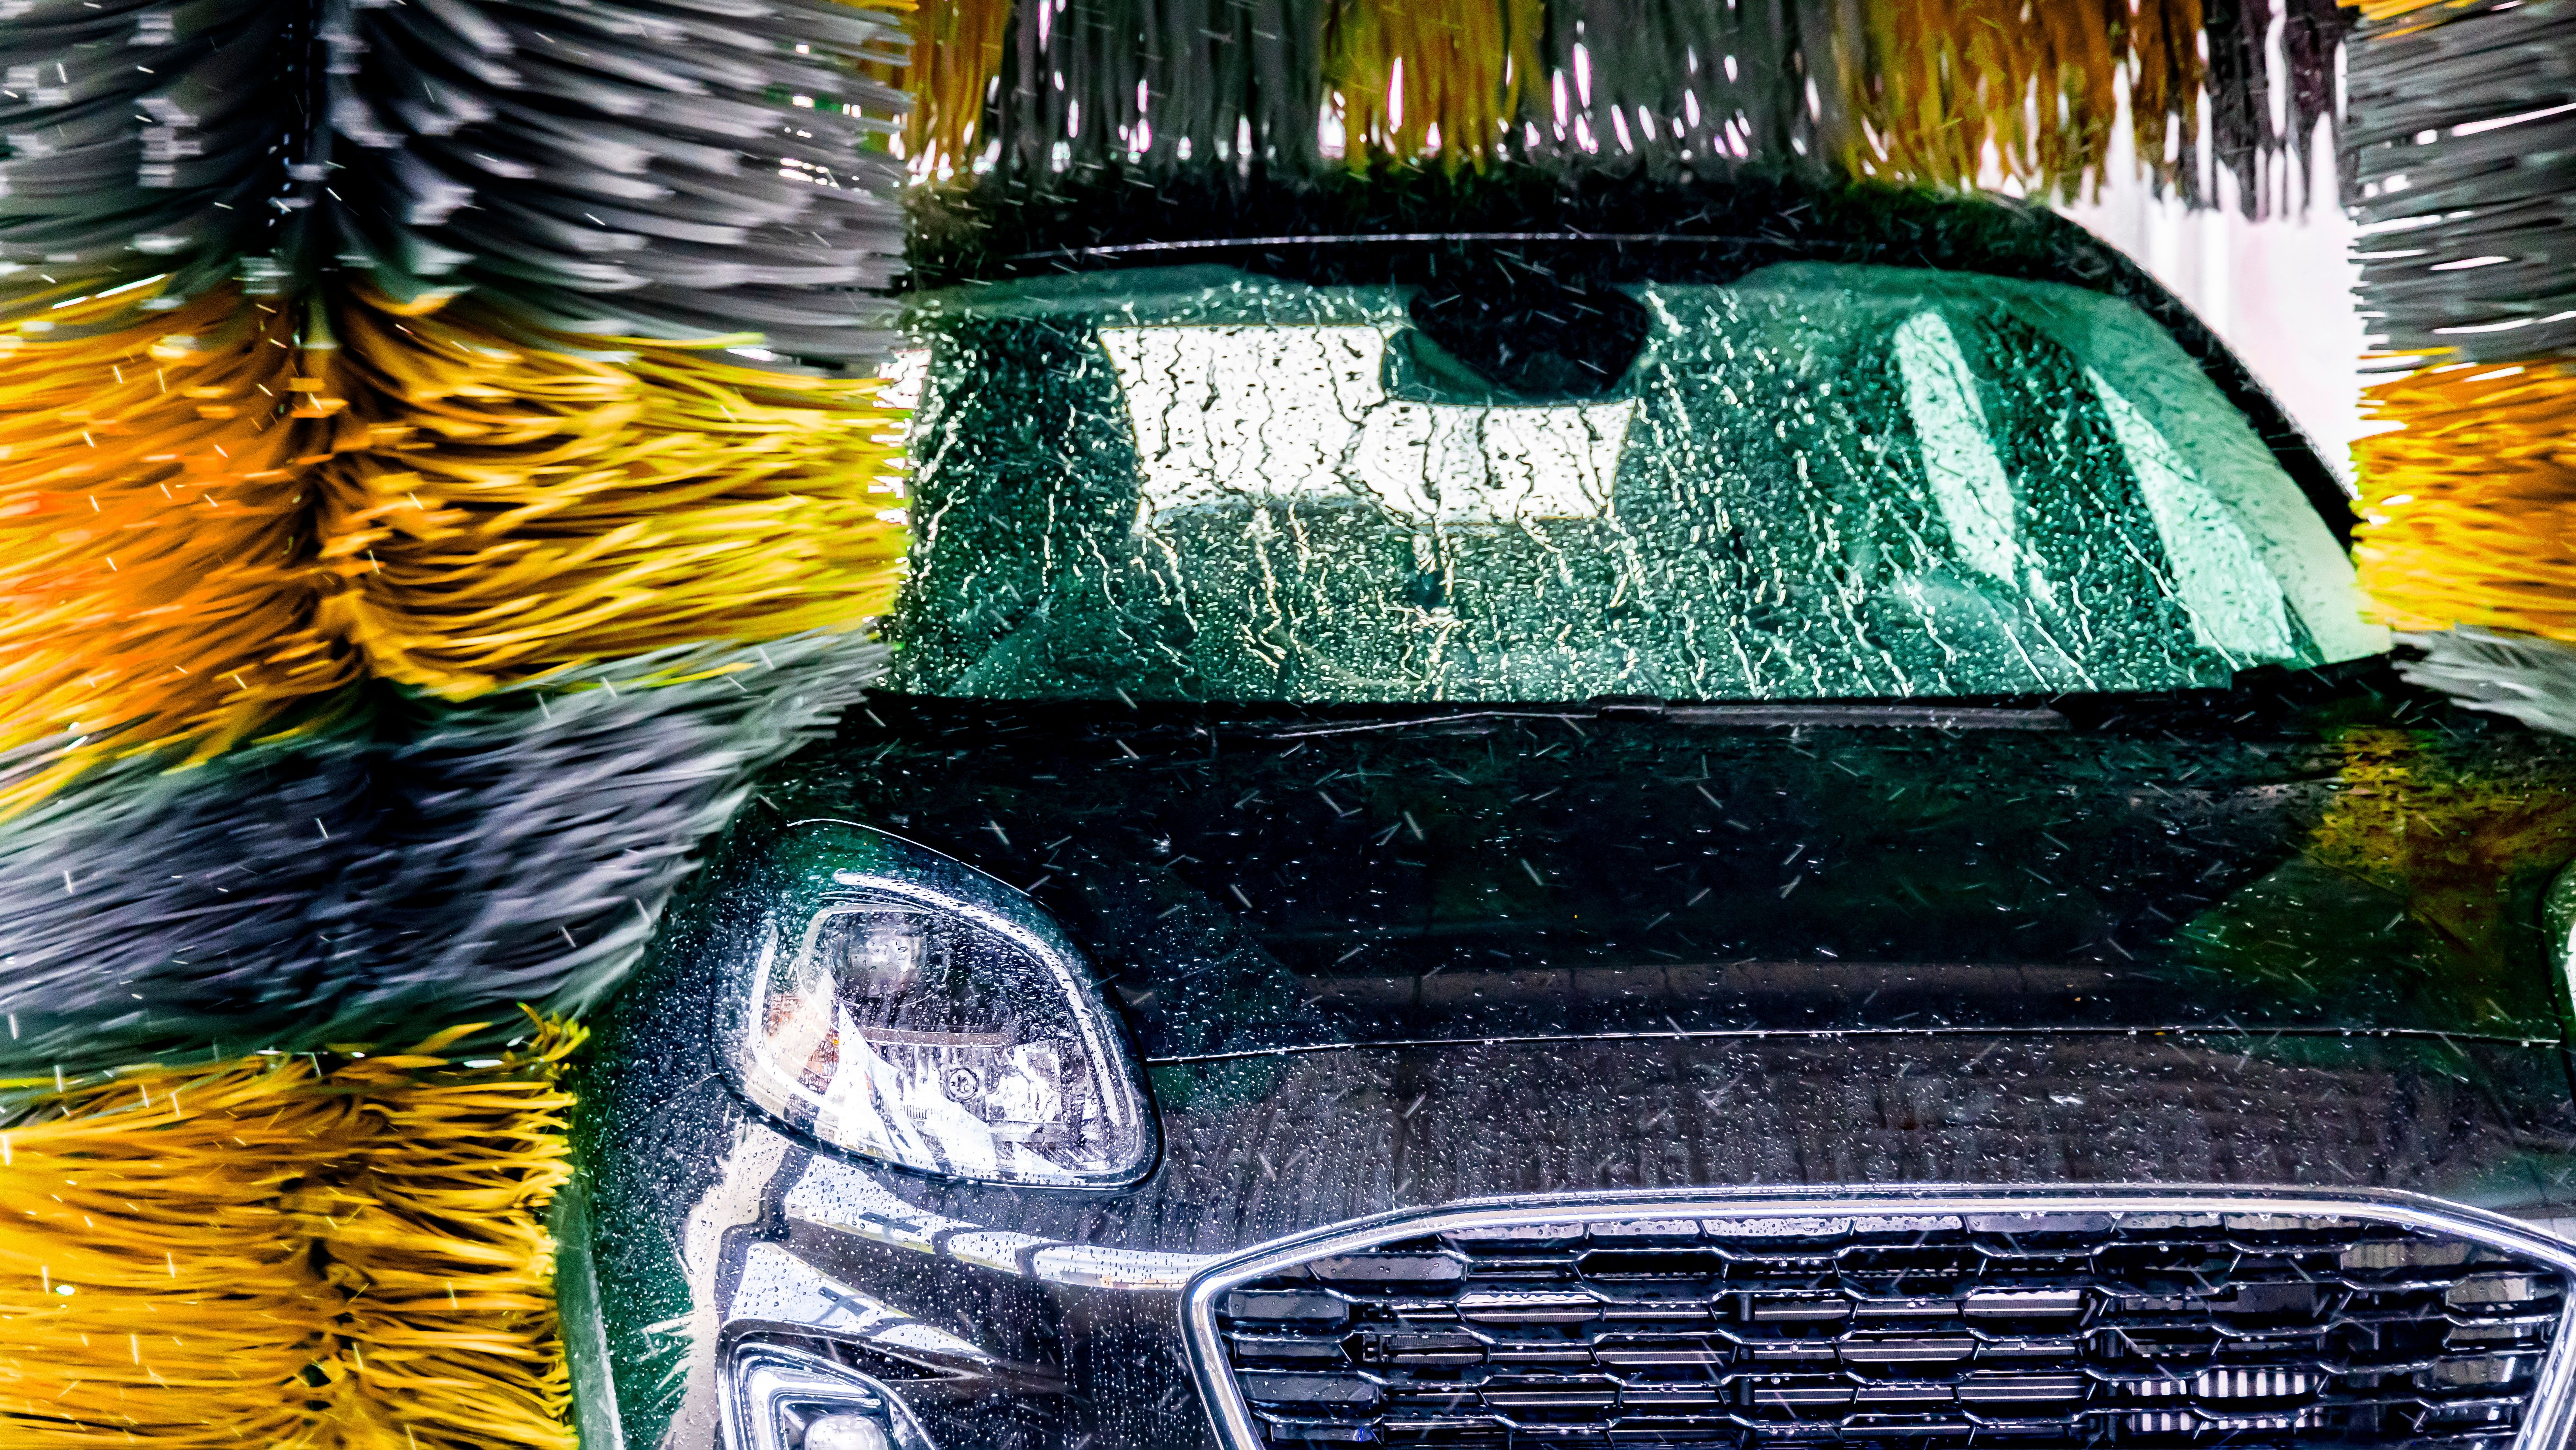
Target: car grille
(2029, 1329)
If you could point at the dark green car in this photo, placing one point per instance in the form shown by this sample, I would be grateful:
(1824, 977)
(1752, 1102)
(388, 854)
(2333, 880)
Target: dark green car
(1693, 836)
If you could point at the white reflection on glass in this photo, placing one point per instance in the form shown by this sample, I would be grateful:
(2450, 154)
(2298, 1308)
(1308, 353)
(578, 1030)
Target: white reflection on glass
(1229, 413)
(1959, 461)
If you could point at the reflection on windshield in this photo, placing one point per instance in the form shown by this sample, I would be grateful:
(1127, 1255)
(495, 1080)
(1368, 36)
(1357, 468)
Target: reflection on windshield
(1818, 481)
(1959, 459)
(1228, 416)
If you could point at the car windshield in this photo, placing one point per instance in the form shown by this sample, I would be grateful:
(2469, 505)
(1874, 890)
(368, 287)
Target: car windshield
(1815, 481)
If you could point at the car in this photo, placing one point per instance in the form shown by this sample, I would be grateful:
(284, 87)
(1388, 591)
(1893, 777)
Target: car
(1773, 828)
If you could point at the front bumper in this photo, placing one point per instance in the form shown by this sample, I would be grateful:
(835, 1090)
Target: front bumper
(1057, 1320)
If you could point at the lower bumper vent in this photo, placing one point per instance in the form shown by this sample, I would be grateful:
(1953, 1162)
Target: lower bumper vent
(2036, 1329)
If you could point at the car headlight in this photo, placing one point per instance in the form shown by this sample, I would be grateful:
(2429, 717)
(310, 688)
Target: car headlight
(898, 1003)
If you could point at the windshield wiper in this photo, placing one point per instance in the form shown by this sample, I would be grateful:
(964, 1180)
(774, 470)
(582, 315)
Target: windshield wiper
(1914, 716)
(1750, 715)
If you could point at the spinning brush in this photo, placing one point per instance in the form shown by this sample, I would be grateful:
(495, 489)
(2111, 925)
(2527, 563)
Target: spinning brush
(449, 429)
(1913, 91)
(2463, 155)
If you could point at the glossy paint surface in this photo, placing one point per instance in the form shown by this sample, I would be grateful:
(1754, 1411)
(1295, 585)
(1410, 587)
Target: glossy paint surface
(2288, 935)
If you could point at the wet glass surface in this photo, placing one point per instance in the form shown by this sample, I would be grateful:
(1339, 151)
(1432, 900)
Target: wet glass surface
(1819, 480)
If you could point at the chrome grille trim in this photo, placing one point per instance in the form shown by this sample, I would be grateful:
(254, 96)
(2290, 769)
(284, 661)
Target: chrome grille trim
(2548, 1415)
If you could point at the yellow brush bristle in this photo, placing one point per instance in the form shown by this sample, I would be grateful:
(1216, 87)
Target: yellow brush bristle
(2469, 508)
(957, 52)
(155, 547)
(1424, 78)
(522, 509)
(1947, 79)
(206, 520)
(332, 1251)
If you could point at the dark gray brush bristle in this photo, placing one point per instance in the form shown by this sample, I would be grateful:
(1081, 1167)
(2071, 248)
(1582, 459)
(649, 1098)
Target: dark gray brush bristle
(639, 169)
(146, 906)
(2435, 204)
(138, 139)
(434, 864)
(1652, 55)
(530, 848)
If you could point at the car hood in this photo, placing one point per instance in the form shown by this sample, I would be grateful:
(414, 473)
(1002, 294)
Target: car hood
(2286, 935)
(2320, 853)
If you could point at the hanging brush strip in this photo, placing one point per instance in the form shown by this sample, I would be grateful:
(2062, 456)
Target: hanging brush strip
(137, 139)
(2313, 37)
(1093, 86)
(533, 507)
(1254, 102)
(2462, 143)
(956, 67)
(1213, 86)
(153, 542)
(1950, 84)
(2465, 508)
(630, 169)
(1684, 84)
(328, 1251)
(1432, 80)
(2166, 76)
(1948, 79)
(2075, 100)
(1078, 82)
(1915, 92)
(2240, 101)
(1069, 93)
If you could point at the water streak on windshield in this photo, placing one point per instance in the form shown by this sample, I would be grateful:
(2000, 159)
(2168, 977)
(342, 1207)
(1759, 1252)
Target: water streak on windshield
(1818, 481)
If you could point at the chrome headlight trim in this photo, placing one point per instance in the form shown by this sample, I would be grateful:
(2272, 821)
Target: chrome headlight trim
(820, 869)
(2552, 1414)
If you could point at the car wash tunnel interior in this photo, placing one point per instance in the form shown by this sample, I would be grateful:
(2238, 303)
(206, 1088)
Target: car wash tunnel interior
(1268, 724)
